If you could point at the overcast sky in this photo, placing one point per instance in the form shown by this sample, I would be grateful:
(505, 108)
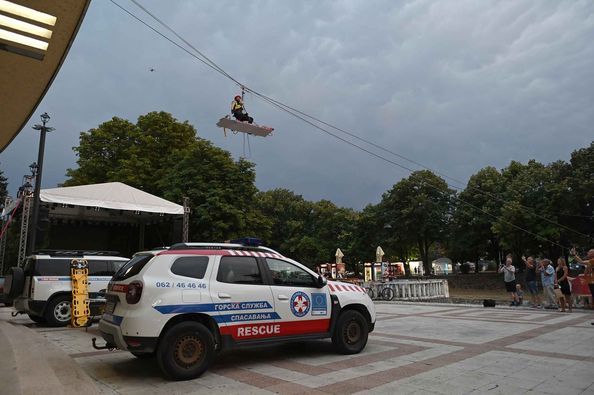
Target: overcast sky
(455, 85)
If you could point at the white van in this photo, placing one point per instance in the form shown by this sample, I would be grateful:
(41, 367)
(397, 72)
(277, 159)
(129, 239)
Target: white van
(46, 289)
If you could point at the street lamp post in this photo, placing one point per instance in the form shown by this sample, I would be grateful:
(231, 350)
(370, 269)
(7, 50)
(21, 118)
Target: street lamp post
(36, 198)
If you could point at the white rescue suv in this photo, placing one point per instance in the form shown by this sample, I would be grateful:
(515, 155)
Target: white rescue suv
(185, 303)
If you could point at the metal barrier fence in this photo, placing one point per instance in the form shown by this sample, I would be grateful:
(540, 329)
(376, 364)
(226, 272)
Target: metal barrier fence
(408, 289)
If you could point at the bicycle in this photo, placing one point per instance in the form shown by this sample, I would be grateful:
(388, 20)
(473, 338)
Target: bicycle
(388, 293)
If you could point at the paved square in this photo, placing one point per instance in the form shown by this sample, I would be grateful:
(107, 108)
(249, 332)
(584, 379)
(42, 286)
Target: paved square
(416, 349)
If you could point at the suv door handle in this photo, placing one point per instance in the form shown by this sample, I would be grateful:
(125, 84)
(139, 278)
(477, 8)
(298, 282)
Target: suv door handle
(224, 295)
(283, 297)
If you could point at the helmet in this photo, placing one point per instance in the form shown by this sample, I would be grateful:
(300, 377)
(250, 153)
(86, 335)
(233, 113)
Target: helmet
(237, 97)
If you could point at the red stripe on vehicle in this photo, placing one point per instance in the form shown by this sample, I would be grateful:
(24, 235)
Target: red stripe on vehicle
(274, 329)
(119, 288)
(331, 287)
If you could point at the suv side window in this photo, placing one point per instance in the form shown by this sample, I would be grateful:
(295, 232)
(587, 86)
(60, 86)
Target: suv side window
(114, 266)
(287, 274)
(190, 266)
(239, 270)
(99, 268)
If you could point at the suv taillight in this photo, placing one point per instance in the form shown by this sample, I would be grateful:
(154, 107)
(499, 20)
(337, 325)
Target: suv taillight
(133, 292)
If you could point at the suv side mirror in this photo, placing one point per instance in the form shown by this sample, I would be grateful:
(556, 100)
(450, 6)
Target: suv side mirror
(322, 281)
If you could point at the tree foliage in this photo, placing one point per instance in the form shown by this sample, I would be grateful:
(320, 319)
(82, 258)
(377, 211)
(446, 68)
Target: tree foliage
(417, 210)
(308, 231)
(521, 208)
(138, 154)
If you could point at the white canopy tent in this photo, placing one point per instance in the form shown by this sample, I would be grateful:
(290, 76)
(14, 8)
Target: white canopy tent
(85, 216)
(111, 195)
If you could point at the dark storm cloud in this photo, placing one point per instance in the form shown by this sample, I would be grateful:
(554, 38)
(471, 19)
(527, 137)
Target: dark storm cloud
(455, 85)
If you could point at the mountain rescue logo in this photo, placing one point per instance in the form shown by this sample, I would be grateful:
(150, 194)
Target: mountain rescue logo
(300, 304)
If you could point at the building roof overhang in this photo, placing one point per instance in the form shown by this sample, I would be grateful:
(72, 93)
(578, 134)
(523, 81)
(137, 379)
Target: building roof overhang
(35, 37)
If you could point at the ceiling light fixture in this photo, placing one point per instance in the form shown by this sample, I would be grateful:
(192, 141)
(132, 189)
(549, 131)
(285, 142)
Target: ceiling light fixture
(23, 40)
(25, 27)
(28, 13)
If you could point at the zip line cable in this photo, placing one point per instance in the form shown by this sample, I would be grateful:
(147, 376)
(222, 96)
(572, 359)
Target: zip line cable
(302, 116)
(410, 170)
(219, 69)
(529, 210)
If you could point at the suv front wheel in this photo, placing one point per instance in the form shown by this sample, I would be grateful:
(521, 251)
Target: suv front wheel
(350, 335)
(59, 310)
(185, 351)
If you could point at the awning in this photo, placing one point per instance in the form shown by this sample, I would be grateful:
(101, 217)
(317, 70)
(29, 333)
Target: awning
(35, 37)
(110, 195)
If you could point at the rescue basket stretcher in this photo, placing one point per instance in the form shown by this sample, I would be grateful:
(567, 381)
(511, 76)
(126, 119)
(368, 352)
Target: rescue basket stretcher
(237, 126)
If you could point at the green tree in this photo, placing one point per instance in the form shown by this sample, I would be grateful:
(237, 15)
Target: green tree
(221, 192)
(528, 199)
(308, 231)
(368, 234)
(136, 154)
(418, 208)
(475, 211)
(579, 194)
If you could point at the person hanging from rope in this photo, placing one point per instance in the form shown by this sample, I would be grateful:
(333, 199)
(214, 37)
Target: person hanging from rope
(239, 111)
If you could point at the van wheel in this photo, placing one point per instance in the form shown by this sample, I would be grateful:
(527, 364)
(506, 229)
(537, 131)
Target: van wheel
(37, 318)
(350, 335)
(59, 310)
(185, 351)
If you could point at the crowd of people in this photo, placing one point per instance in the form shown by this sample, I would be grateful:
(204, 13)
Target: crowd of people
(555, 281)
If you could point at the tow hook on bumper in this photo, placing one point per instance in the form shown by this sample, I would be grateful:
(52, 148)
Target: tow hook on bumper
(107, 346)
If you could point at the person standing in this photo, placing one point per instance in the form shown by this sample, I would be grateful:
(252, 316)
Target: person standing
(547, 278)
(531, 284)
(563, 282)
(588, 273)
(509, 278)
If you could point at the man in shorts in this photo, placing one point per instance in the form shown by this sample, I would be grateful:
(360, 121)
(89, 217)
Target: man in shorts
(531, 284)
(509, 278)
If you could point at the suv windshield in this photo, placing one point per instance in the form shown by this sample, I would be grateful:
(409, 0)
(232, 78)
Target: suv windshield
(132, 267)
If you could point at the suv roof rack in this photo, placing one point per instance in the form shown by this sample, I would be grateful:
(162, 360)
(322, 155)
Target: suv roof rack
(76, 253)
(219, 246)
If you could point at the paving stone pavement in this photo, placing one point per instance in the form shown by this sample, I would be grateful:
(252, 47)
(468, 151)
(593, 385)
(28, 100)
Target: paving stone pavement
(416, 349)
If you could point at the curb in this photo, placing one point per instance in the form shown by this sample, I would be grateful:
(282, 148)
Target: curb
(32, 365)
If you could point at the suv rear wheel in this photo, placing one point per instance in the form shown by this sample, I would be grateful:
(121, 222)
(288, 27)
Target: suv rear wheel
(58, 310)
(37, 318)
(185, 351)
(350, 335)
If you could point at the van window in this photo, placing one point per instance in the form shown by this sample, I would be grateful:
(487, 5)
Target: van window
(99, 268)
(51, 267)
